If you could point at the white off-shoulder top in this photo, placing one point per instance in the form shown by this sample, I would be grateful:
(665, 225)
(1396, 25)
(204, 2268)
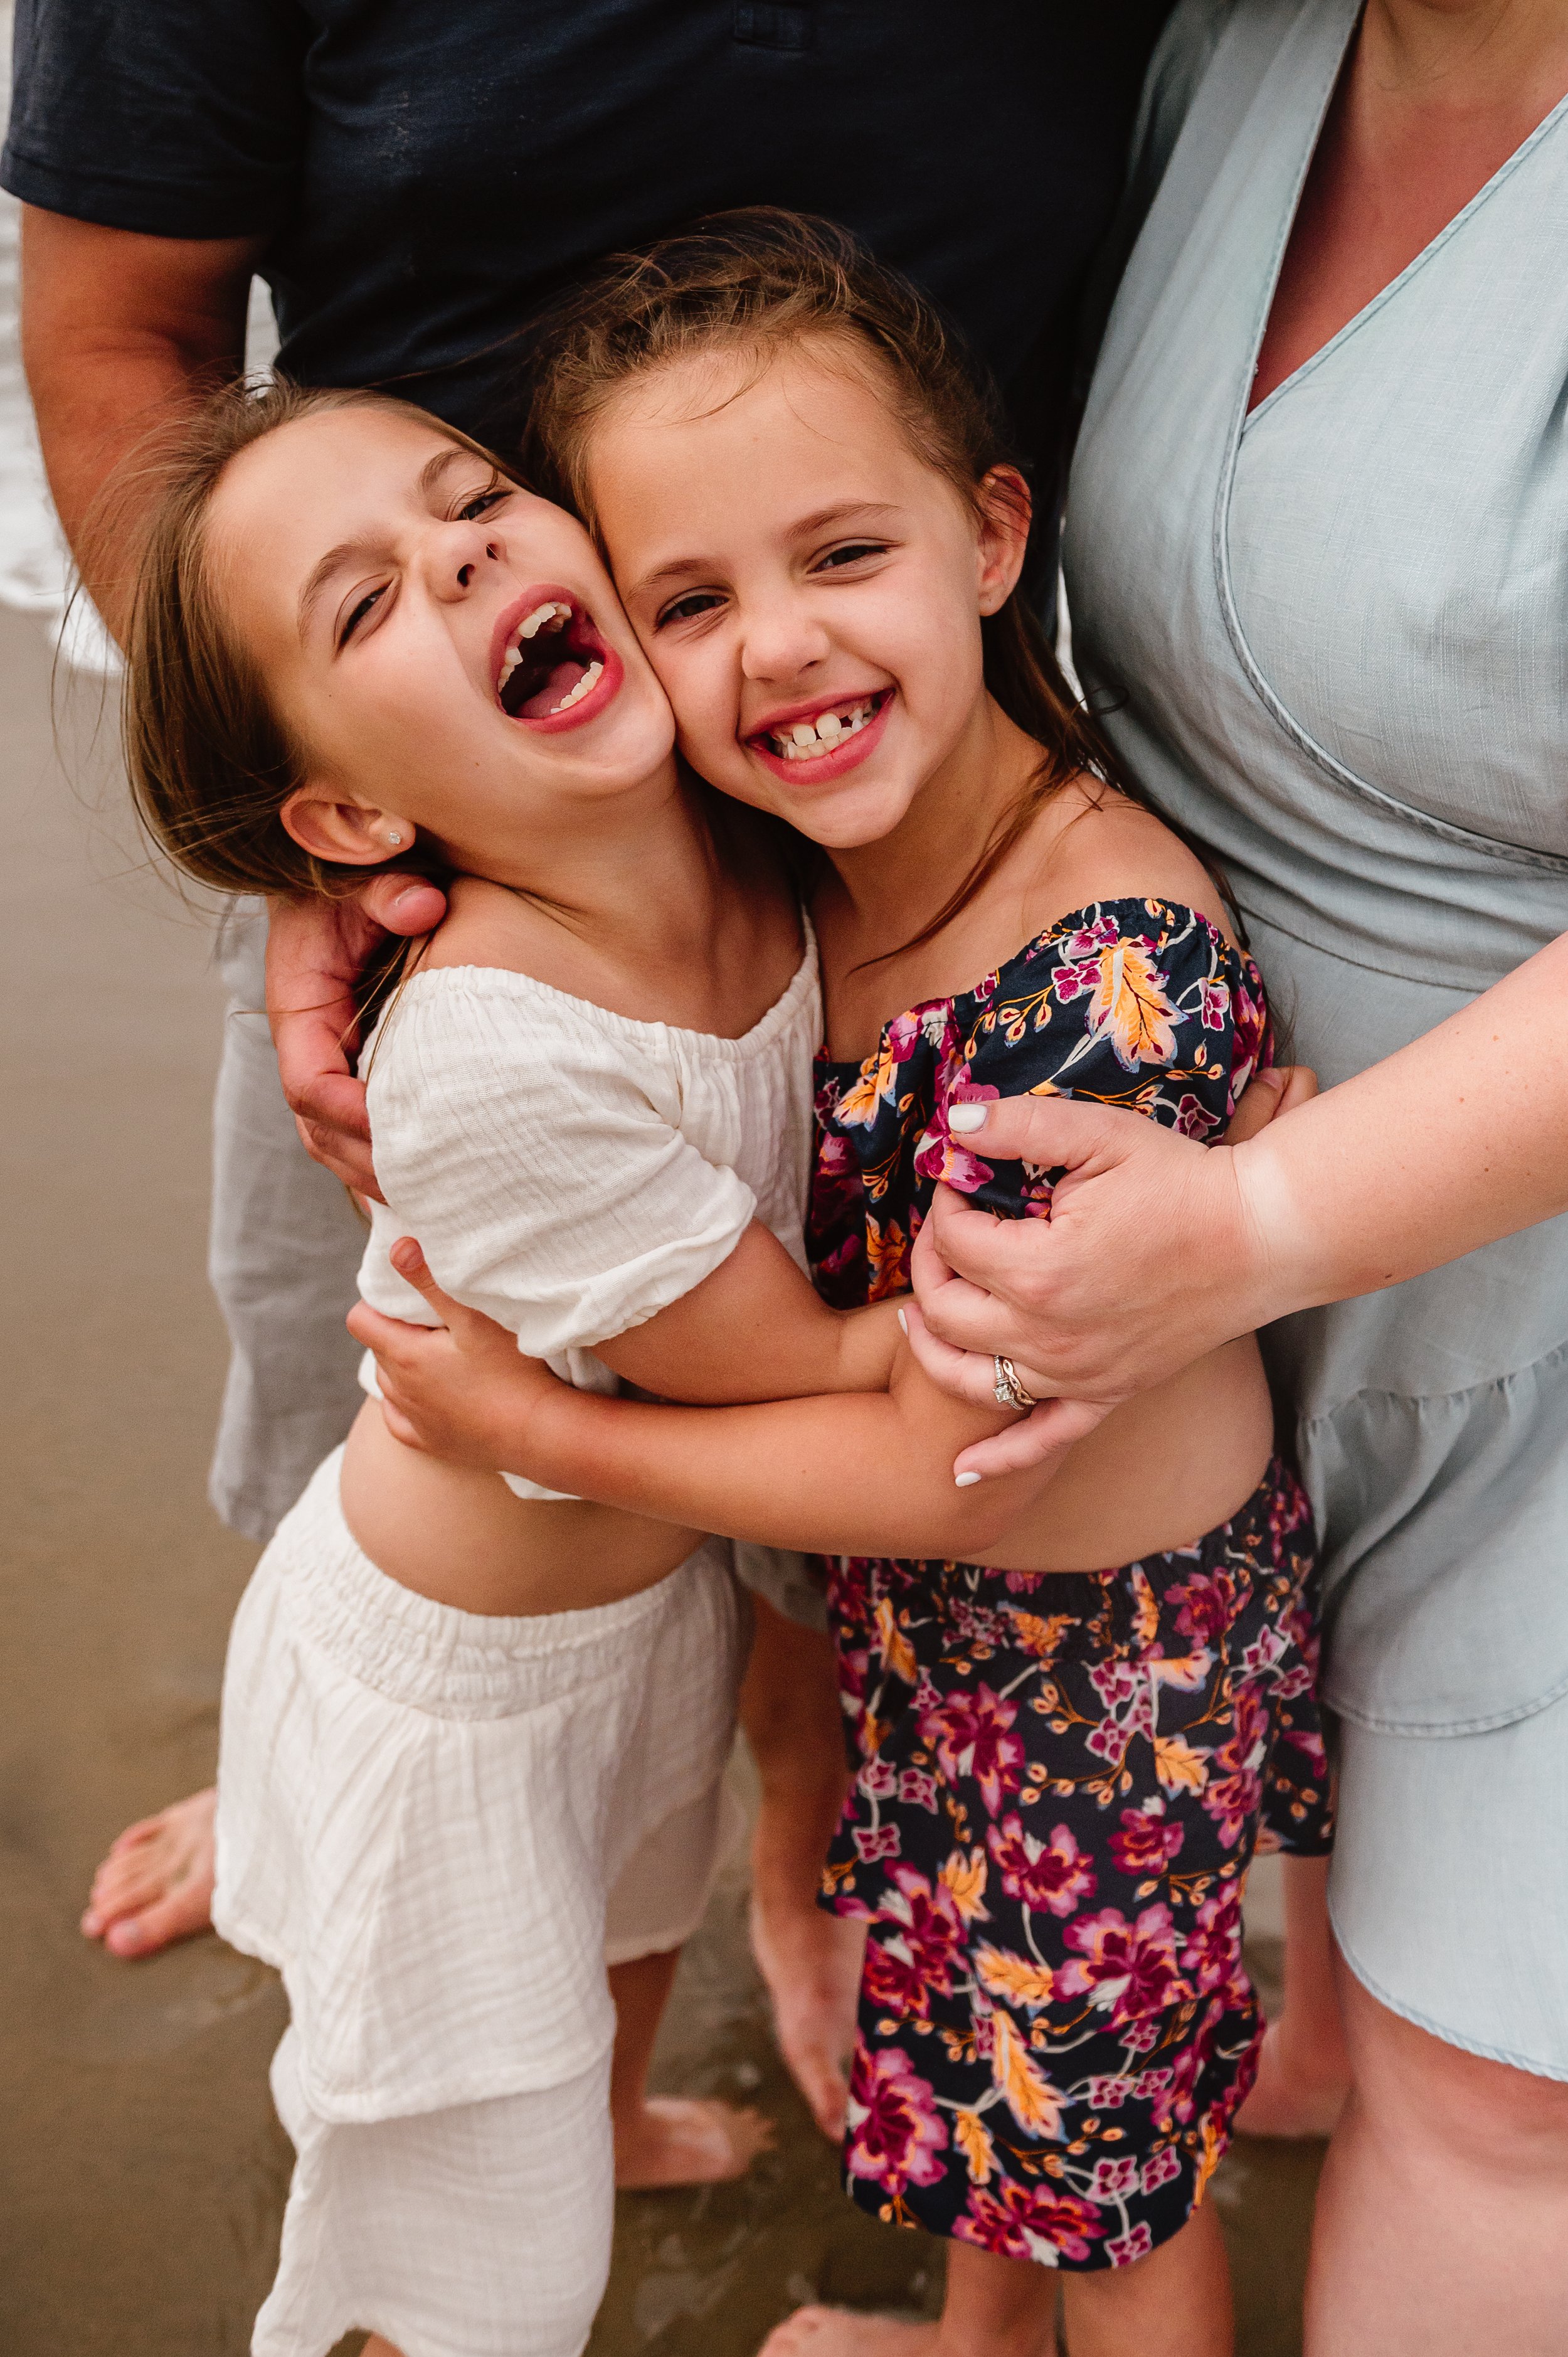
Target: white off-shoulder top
(571, 1172)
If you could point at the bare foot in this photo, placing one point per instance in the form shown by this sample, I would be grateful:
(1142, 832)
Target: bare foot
(811, 1962)
(155, 1884)
(843, 2332)
(683, 2140)
(1289, 2100)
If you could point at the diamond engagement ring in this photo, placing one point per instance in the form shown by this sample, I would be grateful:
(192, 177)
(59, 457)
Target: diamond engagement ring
(1009, 1391)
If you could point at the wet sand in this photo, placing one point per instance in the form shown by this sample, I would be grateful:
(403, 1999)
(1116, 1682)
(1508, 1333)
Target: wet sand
(142, 2174)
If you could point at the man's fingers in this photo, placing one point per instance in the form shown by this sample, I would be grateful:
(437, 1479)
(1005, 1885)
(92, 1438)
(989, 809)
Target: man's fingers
(1044, 1435)
(389, 1338)
(469, 1329)
(403, 904)
(1301, 1087)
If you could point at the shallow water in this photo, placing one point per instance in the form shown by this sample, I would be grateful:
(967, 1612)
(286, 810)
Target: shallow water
(142, 2173)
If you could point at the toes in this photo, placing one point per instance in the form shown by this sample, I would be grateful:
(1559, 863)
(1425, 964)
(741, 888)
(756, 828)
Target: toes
(178, 1917)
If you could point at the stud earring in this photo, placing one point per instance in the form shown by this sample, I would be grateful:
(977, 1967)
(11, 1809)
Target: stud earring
(392, 835)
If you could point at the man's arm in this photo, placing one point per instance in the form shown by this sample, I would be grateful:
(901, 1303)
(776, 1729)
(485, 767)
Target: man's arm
(119, 331)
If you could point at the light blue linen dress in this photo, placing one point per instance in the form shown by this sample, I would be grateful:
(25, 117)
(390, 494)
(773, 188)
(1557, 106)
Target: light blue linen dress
(1338, 632)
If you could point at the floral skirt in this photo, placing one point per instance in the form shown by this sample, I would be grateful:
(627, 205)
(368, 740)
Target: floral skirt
(1061, 1779)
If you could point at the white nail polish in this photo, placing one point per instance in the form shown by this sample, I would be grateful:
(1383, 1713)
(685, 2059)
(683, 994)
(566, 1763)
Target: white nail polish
(967, 1117)
(965, 1480)
(903, 1323)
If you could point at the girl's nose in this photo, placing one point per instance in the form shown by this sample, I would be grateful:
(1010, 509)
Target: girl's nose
(780, 641)
(456, 555)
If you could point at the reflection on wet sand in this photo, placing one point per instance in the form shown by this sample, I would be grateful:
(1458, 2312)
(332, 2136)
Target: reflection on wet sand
(142, 2174)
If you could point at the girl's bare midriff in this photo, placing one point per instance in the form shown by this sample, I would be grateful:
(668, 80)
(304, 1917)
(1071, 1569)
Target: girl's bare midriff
(1158, 1473)
(464, 1539)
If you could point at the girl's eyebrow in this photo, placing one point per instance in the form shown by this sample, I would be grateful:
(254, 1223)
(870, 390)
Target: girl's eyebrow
(358, 550)
(820, 520)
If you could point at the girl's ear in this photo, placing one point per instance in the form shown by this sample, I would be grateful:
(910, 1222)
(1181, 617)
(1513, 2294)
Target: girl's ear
(344, 831)
(1005, 510)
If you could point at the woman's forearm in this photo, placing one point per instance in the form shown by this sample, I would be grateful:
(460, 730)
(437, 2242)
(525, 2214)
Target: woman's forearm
(849, 1475)
(1455, 1141)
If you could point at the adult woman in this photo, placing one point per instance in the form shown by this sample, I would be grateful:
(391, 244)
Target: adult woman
(1314, 541)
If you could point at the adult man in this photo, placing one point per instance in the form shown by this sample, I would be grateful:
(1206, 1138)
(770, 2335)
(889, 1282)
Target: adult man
(412, 183)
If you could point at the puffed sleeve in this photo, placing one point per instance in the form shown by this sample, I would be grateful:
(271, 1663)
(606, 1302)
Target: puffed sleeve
(1132, 1003)
(538, 1160)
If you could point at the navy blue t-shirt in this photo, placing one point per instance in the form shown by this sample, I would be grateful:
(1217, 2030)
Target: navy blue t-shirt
(428, 172)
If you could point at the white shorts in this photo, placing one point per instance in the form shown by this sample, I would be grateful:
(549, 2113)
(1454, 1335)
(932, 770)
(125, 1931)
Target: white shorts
(423, 1815)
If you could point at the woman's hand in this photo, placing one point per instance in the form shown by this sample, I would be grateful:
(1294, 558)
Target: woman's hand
(1149, 1260)
(317, 953)
(451, 1391)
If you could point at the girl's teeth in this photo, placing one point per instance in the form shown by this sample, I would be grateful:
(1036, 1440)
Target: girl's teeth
(584, 686)
(804, 738)
(548, 617)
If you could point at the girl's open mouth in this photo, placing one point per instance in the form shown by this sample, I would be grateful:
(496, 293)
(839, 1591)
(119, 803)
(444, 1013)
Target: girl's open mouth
(551, 668)
(825, 740)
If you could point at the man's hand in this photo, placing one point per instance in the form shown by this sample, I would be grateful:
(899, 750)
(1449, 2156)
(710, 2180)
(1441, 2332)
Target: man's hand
(317, 953)
(460, 1391)
(1146, 1263)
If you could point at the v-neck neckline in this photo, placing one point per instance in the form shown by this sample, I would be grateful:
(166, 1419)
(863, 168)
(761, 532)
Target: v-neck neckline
(1386, 294)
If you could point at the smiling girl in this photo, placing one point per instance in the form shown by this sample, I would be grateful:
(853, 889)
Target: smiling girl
(1063, 1768)
(474, 1728)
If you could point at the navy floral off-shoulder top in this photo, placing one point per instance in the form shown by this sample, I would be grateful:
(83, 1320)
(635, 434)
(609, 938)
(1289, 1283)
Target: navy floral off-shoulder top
(1136, 1003)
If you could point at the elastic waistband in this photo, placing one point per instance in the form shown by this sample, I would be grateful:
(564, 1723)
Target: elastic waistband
(436, 1658)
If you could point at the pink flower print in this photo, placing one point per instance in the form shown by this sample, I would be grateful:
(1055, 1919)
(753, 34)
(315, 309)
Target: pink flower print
(1135, 2244)
(1127, 1970)
(1147, 1842)
(1207, 1603)
(971, 1737)
(925, 1917)
(1159, 2170)
(1192, 1118)
(1137, 2037)
(1150, 2083)
(1214, 1004)
(1114, 2178)
(917, 1789)
(894, 2129)
(938, 1154)
(872, 1842)
(1115, 1681)
(1022, 2221)
(1212, 1952)
(1070, 982)
(1054, 1874)
(877, 1780)
(1176, 2106)
(1109, 2093)
(1090, 939)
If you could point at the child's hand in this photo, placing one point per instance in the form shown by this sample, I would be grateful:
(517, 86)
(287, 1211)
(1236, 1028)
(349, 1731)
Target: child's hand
(462, 1391)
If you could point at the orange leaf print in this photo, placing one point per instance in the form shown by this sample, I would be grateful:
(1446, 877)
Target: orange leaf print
(1187, 1672)
(964, 1875)
(1179, 1768)
(1041, 1637)
(1129, 1009)
(857, 1108)
(1209, 2160)
(1029, 2095)
(1147, 1619)
(897, 1649)
(973, 2138)
(1017, 1978)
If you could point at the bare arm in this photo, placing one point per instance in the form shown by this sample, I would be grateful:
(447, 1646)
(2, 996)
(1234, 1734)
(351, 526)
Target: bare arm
(861, 1473)
(1158, 1249)
(118, 330)
(756, 1330)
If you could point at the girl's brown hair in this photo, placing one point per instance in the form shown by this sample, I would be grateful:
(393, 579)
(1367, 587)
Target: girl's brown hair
(755, 281)
(211, 765)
